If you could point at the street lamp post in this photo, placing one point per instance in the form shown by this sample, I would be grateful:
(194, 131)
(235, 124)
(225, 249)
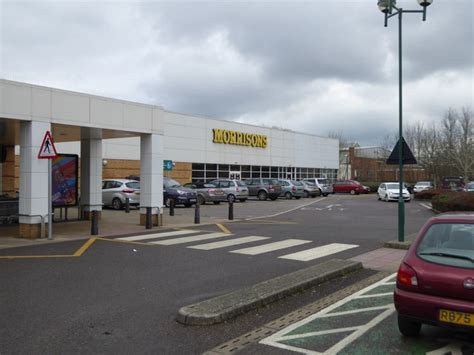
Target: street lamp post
(390, 9)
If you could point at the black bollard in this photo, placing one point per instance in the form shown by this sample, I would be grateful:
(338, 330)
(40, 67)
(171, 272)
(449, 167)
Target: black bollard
(197, 213)
(94, 223)
(127, 205)
(231, 211)
(171, 207)
(148, 222)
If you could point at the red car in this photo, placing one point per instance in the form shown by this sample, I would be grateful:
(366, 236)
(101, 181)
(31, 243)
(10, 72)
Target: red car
(435, 282)
(351, 186)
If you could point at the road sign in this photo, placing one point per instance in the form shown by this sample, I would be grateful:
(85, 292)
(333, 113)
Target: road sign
(408, 157)
(167, 165)
(47, 150)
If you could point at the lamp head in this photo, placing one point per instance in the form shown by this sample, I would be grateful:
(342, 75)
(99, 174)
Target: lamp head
(425, 3)
(386, 5)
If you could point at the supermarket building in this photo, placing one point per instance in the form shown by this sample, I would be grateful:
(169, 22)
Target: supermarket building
(117, 138)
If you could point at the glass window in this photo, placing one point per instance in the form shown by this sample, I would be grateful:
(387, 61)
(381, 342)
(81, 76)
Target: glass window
(223, 167)
(167, 183)
(212, 167)
(235, 167)
(211, 174)
(198, 166)
(241, 183)
(133, 185)
(198, 174)
(245, 175)
(245, 168)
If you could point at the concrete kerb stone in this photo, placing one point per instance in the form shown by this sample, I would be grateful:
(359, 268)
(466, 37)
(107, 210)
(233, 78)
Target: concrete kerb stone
(395, 244)
(224, 307)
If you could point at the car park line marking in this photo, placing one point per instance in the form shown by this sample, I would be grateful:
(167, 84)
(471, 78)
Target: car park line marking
(287, 211)
(196, 238)
(319, 252)
(84, 247)
(228, 243)
(426, 206)
(274, 339)
(158, 235)
(375, 295)
(266, 248)
(223, 228)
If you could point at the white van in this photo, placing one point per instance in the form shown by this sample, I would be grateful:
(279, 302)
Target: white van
(323, 184)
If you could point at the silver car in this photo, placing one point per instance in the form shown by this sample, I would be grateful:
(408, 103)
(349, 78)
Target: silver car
(310, 189)
(116, 191)
(323, 184)
(292, 188)
(422, 186)
(207, 192)
(234, 189)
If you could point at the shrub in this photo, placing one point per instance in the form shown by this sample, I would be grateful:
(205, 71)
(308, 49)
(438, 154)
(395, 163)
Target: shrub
(457, 201)
(429, 194)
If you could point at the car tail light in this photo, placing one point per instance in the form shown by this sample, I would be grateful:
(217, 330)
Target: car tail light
(293, 188)
(270, 186)
(237, 189)
(406, 276)
(211, 190)
(128, 191)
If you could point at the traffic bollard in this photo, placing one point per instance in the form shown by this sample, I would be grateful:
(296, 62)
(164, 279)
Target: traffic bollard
(148, 222)
(231, 211)
(197, 213)
(94, 223)
(127, 205)
(171, 207)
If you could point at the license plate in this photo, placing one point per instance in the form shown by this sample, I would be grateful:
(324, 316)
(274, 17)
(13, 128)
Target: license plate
(456, 317)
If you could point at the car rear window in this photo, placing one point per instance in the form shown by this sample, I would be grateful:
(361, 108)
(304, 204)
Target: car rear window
(297, 183)
(449, 244)
(133, 185)
(241, 183)
(323, 181)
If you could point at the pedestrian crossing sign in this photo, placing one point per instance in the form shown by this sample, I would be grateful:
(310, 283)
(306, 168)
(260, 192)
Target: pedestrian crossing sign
(47, 150)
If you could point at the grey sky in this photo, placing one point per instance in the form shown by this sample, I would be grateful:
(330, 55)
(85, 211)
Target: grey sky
(313, 66)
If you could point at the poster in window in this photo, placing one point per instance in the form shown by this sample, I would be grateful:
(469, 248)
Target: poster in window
(64, 180)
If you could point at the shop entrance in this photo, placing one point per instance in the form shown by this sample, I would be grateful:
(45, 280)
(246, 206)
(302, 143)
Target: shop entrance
(234, 175)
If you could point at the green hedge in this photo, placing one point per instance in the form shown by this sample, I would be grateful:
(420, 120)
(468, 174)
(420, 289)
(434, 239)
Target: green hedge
(457, 201)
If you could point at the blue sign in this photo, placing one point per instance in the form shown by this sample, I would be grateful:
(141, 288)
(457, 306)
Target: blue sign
(167, 165)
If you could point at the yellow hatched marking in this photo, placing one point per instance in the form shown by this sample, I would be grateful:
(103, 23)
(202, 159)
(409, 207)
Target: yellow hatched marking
(84, 247)
(223, 228)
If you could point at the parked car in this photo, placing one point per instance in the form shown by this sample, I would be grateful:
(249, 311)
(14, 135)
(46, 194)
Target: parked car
(324, 185)
(234, 189)
(292, 188)
(351, 186)
(310, 189)
(173, 190)
(455, 183)
(422, 186)
(264, 188)
(389, 191)
(207, 192)
(435, 282)
(366, 189)
(116, 191)
(469, 187)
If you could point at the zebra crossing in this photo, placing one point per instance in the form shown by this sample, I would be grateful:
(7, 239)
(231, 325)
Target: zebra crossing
(207, 241)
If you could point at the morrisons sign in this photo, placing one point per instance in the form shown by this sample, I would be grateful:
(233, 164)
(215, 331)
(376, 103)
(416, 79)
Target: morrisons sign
(238, 138)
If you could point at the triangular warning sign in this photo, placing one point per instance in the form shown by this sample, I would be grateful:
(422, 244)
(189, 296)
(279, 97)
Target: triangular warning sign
(408, 157)
(47, 150)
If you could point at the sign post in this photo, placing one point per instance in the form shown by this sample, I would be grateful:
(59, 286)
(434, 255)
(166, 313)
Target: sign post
(48, 151)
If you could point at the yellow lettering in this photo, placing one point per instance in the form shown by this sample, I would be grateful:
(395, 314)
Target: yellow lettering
(226, 137)
(217, 135)
(233, 136)
(254, 140)
(264, 141)
(259, 141)
(239, 138)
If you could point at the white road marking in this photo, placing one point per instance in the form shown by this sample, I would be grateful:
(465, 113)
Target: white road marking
(425, 205)
(319, 252)
(227, 243)
(266, 248)
(453, 349)
(196, 238)
(287, 211)
(274, 339)
(376, 295)
(158, 235)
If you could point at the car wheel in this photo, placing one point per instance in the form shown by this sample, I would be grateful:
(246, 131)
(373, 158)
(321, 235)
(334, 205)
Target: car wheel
(325, 195)
(216, 202)
(352, 192)
(288, 195)
(262, 195)
(273, 198)
(408, 327)
(117, 204)
(168, 202)
(242, 199)
(200, 200)
(386, 198)
(378, 197)
(231, 198)
(306, 194)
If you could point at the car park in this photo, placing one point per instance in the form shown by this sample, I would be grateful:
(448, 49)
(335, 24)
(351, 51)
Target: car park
(390, 191)
(348, 186)
(292, 188)
(422, 186)
(310, 189)
(435, 281)
(207, 192)
(115, 193)
(174, 191)
(324, 185)
(234, 189)
(264, 188)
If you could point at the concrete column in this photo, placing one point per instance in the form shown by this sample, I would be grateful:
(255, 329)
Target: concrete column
(33, 179)
(151, 176)
(91, 172)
